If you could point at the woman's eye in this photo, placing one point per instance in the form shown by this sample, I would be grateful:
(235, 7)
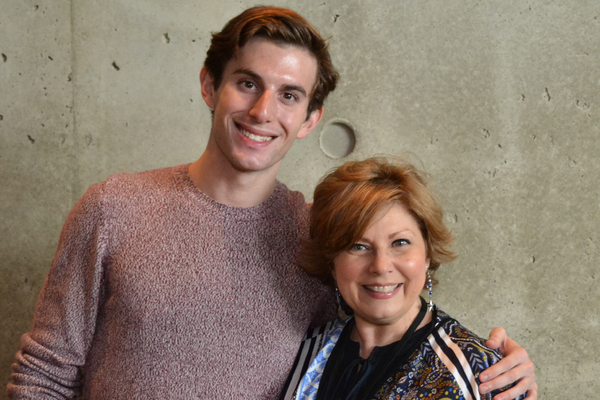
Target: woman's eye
(400, 242)
(357, 247)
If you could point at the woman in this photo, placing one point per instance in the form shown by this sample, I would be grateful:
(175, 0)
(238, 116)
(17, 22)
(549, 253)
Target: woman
(377, 235)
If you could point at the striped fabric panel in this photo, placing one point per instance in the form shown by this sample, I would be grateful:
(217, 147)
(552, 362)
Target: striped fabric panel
(456, 362)
(308, 350)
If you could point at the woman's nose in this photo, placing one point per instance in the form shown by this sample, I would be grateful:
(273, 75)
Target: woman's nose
(381, 263)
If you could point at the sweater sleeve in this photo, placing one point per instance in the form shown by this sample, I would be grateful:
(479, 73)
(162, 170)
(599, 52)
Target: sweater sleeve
(52, 354)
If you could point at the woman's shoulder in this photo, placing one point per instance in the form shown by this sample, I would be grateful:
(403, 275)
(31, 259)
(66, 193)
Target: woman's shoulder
(326, 329)
(452, 335)
(315, 350)
(325, 336)
(464, 353)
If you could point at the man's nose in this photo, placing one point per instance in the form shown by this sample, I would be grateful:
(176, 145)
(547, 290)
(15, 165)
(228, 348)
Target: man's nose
(264, 108)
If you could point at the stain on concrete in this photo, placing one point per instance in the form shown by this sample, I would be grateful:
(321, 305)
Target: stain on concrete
(115, 66)
(582, 104)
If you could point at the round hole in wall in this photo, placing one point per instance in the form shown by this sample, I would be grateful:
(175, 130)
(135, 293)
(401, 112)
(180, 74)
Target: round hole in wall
(337, 139)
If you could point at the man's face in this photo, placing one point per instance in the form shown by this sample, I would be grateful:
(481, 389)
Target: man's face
(260, 107)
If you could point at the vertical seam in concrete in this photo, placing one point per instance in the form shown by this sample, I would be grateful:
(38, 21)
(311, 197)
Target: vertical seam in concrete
(75, 182)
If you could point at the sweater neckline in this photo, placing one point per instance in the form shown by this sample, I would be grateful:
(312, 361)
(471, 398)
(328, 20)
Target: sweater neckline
(220, 208)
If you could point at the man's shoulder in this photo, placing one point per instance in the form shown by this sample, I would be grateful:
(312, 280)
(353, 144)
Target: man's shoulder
(124, 188)
(151, 178)
(282, 189)
(291, 199)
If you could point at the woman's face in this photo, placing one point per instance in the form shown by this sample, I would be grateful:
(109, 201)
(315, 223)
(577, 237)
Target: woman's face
(382, 275)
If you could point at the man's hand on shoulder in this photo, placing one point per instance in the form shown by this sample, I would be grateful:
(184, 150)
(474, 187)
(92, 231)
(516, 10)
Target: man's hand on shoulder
(515, 367)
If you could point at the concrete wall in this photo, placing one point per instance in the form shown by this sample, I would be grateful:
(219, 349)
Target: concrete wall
(499, 99)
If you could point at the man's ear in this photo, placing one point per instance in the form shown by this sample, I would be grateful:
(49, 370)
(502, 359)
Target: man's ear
(310, 123)
(207, 86)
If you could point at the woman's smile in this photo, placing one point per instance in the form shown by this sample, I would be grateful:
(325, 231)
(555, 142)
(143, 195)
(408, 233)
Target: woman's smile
(382, 274)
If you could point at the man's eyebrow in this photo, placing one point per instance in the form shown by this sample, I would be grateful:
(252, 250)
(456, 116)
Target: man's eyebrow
(259, 80)
(295, 88)
(250, 73)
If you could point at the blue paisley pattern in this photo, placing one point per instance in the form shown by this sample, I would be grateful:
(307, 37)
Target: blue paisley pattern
(446, 366)
(310, 383)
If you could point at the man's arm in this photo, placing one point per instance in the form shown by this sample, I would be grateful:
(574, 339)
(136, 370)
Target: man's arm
(48, 364)
(515, 366)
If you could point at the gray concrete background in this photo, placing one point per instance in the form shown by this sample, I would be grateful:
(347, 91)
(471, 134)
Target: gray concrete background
(498, 99)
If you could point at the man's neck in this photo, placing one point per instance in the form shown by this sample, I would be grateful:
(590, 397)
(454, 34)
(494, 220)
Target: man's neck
(224, 184)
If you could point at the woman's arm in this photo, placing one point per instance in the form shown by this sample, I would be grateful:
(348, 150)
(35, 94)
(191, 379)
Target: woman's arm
(515, 366)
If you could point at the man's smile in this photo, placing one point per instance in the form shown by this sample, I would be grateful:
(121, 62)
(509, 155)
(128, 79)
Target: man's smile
(252, 136)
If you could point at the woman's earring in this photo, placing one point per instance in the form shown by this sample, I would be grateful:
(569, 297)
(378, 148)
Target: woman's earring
(338, 297)
(430, 304)
(342, 314)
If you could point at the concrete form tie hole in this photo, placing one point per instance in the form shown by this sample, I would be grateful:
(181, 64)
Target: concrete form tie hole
(337, 139)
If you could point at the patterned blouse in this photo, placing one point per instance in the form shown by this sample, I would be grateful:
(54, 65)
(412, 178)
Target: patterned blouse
(445, 366)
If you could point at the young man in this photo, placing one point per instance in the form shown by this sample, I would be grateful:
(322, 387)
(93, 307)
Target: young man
(182, 282)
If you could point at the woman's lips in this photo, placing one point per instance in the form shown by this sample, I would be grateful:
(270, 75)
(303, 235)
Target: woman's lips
(381, 288)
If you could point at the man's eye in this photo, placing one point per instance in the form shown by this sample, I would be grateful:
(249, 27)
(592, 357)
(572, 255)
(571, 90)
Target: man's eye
(247, 84)
(290, 96)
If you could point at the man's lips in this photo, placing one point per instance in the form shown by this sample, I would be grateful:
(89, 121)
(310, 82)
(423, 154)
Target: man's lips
(253, 136)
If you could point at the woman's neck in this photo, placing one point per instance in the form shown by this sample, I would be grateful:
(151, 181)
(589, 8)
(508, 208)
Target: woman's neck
(370, 335)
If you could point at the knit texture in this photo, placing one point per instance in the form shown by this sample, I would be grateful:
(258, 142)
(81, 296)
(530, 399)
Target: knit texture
(159, 292)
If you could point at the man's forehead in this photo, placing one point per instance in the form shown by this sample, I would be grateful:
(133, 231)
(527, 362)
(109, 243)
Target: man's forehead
(258, 44)
(245, 61)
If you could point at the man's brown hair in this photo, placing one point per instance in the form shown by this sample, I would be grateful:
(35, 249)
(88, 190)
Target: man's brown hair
(281, 26)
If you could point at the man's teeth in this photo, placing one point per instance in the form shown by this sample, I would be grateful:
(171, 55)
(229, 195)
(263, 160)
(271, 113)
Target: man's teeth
(256, 138)
(382, 289)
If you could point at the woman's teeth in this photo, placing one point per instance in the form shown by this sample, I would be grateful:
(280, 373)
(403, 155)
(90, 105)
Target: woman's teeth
(382, 289)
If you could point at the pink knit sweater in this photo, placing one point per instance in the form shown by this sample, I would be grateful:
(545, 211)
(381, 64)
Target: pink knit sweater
(158, 292)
